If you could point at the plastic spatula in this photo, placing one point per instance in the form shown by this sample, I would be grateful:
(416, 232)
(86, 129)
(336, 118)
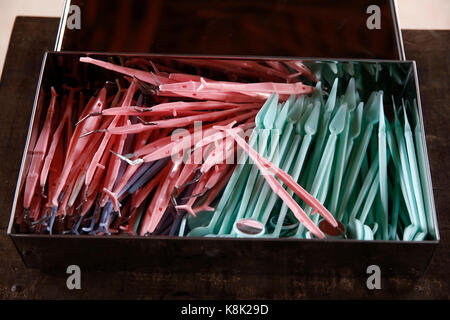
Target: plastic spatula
(421, 160)
(327, 110)
(336, 127)
(414, 172)
(350, 101)
(371, 116)
(383, 161)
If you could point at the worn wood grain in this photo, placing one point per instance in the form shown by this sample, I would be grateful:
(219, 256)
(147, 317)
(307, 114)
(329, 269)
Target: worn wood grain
(31, 36)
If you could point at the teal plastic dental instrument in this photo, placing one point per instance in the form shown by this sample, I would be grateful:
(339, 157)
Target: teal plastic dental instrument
(374, 188)
(420, 236)
(399, 171)
(360, 231)
(370, 119)
(364, 190)
(421, 159)
(395, 212)
(230, 197)
(414, 172)
(350, 102)
(335, 128)
(410, 232)
(356, 229)
(327, 110)
(355, 130)
(383, 161)
(404, 164)
(264, 166)
(370, 174)
(324, 190)
(318, 93)
(368, 233)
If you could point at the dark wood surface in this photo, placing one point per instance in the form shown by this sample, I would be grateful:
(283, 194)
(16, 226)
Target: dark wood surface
(32, 36)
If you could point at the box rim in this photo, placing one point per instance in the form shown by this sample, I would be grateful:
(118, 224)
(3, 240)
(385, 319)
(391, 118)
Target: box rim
(241, 57)
(428, 167)
(212, 239)
(398, 30)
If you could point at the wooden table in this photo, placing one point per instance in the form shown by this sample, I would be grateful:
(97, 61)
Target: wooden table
(32, 36)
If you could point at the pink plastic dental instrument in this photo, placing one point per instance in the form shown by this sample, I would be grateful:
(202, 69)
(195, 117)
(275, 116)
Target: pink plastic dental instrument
(222, 153)
(77, 145)
(161, 200)
(161, 81)
(65, 122)
(190, 169)
(277, 65)
(213, 178)
(164, 148)
(198, 105)
(264, 166)
(243, 68)
(170, 123)
(141, 194)
(213, 87)
(112, 173)
(35, 208)
(187, 173)
(142, 111)
(245, 97)
(260, 87)
(99, 172)
(197, 190)
(75, 177)
(207, 130)
(149, 77)
(55, 169)
(301, 69)
(95, 160)
(214, 192)
(39, 153)
(130, 171)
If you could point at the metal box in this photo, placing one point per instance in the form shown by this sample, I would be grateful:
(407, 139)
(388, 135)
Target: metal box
(169, 254)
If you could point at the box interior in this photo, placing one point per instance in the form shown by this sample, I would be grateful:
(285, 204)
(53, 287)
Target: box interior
(58, 69)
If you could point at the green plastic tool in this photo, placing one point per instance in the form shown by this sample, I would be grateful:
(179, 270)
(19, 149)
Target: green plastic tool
(422, 162)
(414, 173)
(370, 117)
